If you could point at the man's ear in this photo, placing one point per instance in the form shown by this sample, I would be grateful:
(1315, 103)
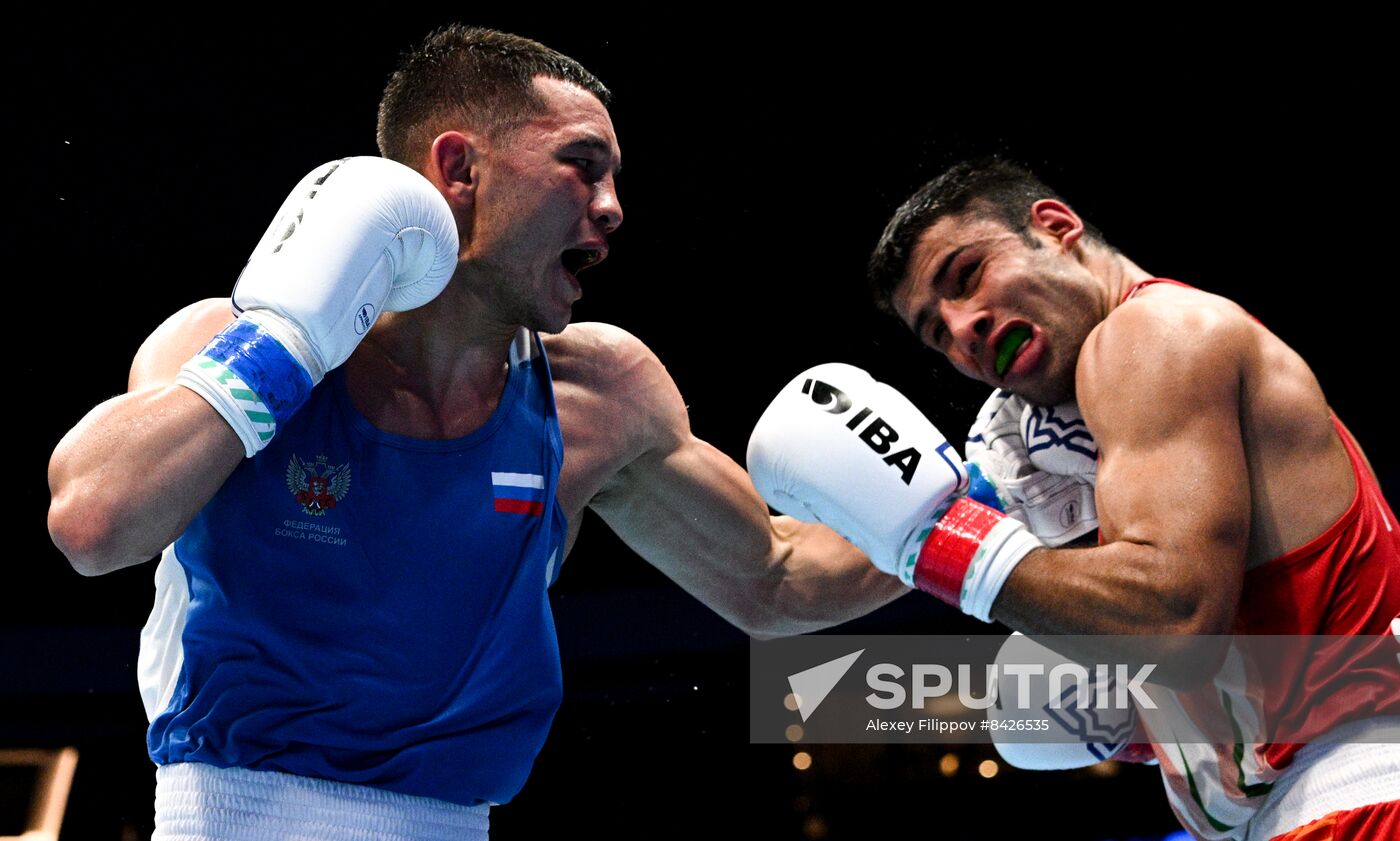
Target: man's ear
(452, 167)
(1056, 219)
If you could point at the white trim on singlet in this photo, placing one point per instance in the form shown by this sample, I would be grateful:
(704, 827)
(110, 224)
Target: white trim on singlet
(1353, 768)
(162, 654)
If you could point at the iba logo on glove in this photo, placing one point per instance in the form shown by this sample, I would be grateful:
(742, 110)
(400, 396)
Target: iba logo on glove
(877, 435)
(833, 399)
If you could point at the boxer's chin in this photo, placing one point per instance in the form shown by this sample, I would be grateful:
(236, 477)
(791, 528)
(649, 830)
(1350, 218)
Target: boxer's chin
(1046, 390)
(554, 319)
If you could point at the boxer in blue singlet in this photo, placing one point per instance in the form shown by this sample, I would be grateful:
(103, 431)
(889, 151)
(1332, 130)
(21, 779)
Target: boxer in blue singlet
(354, 469)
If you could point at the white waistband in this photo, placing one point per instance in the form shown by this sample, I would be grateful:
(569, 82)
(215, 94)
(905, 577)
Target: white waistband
(197, 802)
(1352, 768)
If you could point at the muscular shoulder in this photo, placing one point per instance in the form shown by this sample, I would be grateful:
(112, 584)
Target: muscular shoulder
(1162, 358)
(1173, 346)
(603, 354)
(177, 339)
(605, 369)
(1172, 318)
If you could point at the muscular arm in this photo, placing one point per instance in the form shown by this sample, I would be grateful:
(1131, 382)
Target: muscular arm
(1159, 386)
(132, 474)
(689, 510)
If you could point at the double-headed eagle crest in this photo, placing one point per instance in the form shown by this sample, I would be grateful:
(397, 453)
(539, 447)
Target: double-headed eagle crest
(317, 486)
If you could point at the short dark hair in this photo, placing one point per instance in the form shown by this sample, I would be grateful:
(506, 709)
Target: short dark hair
(468, 77)
(985, 188)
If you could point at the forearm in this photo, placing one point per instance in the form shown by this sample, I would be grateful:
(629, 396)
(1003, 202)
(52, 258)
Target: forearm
(1122, 594)
(800, 577)
(694, 514)
(128, 479)
(1117, 588)
(819, 580)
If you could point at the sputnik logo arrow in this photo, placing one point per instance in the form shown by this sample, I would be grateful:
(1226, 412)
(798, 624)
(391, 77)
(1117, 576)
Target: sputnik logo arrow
(813, 685)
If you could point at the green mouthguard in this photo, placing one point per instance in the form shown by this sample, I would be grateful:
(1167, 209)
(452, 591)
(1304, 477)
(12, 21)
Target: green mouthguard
(1009, 346)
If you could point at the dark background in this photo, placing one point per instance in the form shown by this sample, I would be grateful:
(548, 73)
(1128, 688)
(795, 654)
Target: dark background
(761, 164)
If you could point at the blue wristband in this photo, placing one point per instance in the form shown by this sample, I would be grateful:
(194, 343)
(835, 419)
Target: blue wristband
(272, 375)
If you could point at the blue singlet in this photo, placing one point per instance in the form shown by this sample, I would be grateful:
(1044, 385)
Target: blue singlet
(364, 607)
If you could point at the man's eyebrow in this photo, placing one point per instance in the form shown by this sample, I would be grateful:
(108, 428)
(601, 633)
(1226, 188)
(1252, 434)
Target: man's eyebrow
(921, 319)
(593, 143)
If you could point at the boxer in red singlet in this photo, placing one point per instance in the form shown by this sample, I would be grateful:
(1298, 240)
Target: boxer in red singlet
(1230, 499)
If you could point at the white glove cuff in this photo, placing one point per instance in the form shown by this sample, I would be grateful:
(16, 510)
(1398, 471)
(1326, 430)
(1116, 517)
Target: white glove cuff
(214, 387)
(1001, 550)
(1057, 509)
(292, 338)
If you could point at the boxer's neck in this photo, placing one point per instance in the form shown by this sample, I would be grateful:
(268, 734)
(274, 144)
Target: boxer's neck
(451, 354)
(1114, 271)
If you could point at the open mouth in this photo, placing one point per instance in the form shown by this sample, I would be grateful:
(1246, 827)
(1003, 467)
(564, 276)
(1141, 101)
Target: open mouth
(577, 259)
(1009, 347)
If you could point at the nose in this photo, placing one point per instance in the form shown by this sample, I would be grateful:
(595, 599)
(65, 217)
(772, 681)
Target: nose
(606, 209)
(968, 328)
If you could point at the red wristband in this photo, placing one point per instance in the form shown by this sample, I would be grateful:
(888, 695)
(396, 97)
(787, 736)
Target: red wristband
(950, 548)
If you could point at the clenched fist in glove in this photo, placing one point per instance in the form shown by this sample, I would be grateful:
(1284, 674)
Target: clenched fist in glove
(1035, 463)
(839, 448)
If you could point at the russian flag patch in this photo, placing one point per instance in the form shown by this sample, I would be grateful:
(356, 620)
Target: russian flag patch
(518, 493)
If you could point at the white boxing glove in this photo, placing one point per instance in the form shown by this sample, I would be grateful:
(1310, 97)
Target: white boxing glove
(1057, 506)
(355, 237)
(839, 448)
(1031, 731)
(1058, 440)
